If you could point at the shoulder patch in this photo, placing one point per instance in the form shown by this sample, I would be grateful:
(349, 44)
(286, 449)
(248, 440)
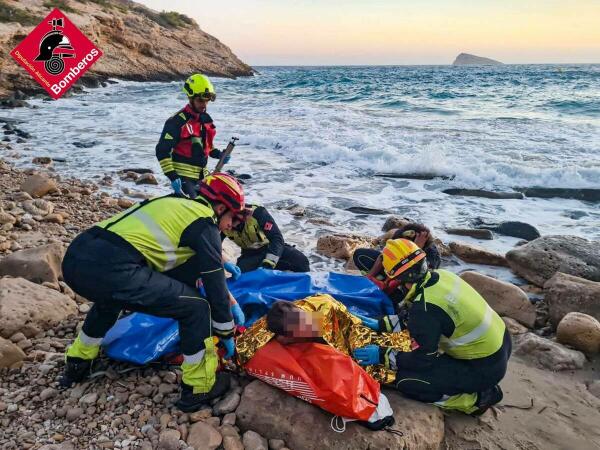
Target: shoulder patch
(168, 137)
(268, 226)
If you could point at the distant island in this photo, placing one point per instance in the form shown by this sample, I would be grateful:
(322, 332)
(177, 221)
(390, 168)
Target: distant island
(465, 59)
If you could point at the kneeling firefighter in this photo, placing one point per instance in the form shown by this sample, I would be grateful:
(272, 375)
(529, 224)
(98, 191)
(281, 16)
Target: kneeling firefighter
(262, 244)
(463, 345)
(148, 259)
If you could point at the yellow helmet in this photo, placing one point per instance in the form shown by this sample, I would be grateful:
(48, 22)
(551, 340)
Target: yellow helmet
(400, 255)
(199, 85)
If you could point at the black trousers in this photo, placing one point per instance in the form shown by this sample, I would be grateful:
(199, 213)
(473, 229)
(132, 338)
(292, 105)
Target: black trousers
(450, 376)
(108, 271)
(291, 259)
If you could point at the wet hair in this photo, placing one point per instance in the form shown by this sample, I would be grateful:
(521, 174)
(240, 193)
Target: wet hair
(405, 232)
(276, 317)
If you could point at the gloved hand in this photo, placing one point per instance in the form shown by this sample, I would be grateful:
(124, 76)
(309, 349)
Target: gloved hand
(373, 324)
(229, 345)
(379, 283)
(216, 153)
(234, 270)
(367, 356)
(238, 315)
(177, 186)
(268, 264)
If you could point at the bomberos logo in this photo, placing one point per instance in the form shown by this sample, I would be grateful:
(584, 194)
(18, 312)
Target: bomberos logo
(56, 53)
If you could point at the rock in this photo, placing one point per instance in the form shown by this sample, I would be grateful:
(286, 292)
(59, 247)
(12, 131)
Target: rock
(477, 255)
(567, 293)
(394, 222)
(6, 218)
(228, 404)
(61, 446)
(276, 444)
(54, 218)
(37, 264)
(18, 337)
(466, 59)
(203, 414)
(254, 441)
(9, 353)
(586, 195)
(30, 308)
(477, 234)
(203, 437)
(413, 176)
(538, 260)
(367, 211)
(89, 399)
(548, 354)
(48, 393)
(169, 440)
(38, 207)
(484, 194)
(232, 443)
(580, 331)
(276, 415)
(511, 228)
(514, 327)
(504, 298)
(39, 185)
(146, 178)
(43, 160)
(594, 388)
(125, 203)
(73, 414)
(229, 419)
(342, 246)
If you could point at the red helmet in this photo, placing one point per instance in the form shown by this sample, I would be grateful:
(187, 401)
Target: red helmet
(223, 188)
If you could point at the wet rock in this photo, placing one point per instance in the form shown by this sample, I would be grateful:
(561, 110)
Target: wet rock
(147, 178)
(367, 211)
(10, 354)
(276, 415)
(516, 229)
(548, 354)
(540, 259)
(567, 293)
(139, 171)
(394, 222)
(504, 298)
(514, 327)
(39, 185)
(477, 234)
(228, 404)
(30, 308)
(580, 331)
(42, 160)
(87, 144)
(484, 194)
(414, 176)
(37, 264)
(342, 246)
(586, 195)
(254, 441)
(169, 440)
(203, 436)
(477, 255)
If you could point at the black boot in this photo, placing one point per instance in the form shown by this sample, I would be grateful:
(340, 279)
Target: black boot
(190, 402)
(488, 398)
(76, 370)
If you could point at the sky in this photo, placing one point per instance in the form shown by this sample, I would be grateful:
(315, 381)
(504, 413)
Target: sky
(390, 32)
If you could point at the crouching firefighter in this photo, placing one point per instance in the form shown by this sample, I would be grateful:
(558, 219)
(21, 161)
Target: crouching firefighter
(148, 259)
(463, 345)
(186, 141)
(262, 244)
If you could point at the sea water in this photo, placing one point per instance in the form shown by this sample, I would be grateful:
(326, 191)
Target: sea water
(316, 137)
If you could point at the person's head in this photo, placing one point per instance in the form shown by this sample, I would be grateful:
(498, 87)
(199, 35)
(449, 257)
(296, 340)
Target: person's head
(286, 319)
(226, 196)
(410, 231)
(199, 91)
(240, 219)
(404, 262)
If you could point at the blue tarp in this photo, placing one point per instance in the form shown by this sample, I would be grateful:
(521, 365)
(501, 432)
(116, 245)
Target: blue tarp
(141, 338)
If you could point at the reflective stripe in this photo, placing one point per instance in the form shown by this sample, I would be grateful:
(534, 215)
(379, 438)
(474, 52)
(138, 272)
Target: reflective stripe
(452, 297)
(476, 333)
(223, 326)
(195, 358)
(87, 340)
(272, 257)
(161, 238)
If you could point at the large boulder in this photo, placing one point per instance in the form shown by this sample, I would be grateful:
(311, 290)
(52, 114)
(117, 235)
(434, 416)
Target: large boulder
(538, 260)
(9, 353)
(38, 264)
(548, 354)
(567, 293)
(342, 246)
(504, 298)
(276, 415)
(30, 308)
(477, 255)
(580, 331)
(38, 185)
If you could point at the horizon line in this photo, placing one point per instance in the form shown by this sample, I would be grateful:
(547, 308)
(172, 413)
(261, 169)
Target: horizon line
(430, 64)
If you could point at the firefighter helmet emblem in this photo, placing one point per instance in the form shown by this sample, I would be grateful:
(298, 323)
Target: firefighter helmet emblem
(55, 46)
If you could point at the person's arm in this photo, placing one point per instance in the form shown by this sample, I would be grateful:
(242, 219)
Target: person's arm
(203, 237)
(433, 256)
(271, 230)
(168, 139)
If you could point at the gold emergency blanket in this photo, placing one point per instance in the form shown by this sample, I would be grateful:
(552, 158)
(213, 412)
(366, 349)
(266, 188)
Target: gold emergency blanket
(341, 330)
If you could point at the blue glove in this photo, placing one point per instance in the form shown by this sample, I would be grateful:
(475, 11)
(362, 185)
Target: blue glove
(238, 315)
(373, 324)
(367, 356)
(229, 345)
(177, 187)
(234, 270)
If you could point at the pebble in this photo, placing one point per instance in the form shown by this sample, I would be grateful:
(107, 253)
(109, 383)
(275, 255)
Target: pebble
(229, 419)
(89, 399)
(228, 404)
(48, 393)
(17, 337)
(74, 414)
(24, 344)
(254, 441)
(12, 408)
(276, 444)
(203, 414)
(169, 440)
(232, 443)
(84, 308)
